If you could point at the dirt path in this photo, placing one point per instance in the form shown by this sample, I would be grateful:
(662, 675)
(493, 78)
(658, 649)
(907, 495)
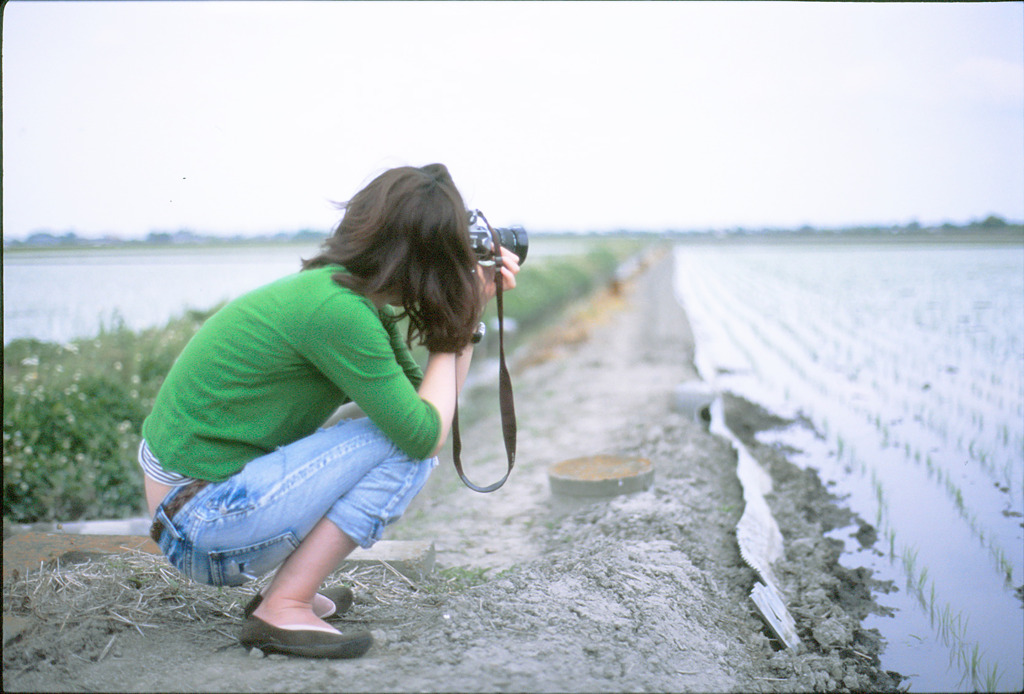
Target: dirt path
(641, 592)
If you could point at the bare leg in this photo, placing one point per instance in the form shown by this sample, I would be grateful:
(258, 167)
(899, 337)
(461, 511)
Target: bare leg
(288, 600)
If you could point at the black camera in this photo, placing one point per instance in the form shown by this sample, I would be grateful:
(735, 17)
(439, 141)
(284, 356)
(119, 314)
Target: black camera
(480, 237)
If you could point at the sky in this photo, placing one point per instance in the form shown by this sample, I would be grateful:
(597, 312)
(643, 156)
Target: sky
(255, 117)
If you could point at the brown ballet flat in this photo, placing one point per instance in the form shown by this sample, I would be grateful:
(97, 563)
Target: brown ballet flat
(305, 643)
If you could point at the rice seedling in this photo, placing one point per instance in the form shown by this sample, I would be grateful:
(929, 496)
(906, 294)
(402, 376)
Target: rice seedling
(992, 678)
(922, 580)
(1003, 562)
(908, 557)
(969, 661)
(949, 624)
(958, 497)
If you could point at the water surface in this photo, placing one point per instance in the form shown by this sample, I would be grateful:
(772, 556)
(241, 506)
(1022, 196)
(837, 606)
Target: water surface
(58, 295)
(905, 367)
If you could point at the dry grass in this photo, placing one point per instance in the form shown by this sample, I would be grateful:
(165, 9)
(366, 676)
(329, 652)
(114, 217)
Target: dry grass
(76, 610)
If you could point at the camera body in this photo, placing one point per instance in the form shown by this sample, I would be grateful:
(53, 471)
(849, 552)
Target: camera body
(480, 238)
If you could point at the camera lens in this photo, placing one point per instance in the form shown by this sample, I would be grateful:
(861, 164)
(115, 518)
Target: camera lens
(516, 240)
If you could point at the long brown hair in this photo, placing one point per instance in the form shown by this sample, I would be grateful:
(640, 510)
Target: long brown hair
(406, 236)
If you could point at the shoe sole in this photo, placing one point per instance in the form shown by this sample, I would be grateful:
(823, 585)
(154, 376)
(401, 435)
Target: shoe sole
(303, 643)
(353, 647)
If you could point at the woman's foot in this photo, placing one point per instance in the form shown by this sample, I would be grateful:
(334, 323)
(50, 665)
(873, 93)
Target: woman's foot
(332, 602)
(286, 613)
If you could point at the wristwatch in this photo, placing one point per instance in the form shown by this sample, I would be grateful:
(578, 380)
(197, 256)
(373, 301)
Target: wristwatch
(479, 333)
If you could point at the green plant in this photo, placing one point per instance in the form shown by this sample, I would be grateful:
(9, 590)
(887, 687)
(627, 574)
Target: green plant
(73, 416)
(455, 579)
(546, 286)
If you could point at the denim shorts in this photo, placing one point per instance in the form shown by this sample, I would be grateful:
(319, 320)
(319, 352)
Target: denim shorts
(245, 526)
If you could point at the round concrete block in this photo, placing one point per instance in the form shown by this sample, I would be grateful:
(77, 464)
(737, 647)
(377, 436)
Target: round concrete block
(693, 399)
(601, 475)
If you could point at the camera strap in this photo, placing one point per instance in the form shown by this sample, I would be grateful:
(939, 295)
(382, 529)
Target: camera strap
(506, 401)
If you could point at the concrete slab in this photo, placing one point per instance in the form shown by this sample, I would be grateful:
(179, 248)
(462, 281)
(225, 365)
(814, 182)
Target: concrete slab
(412, 558)
(123, 526)
(25, 551)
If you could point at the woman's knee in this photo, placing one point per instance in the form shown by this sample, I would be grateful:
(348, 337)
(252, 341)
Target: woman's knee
(380, 498)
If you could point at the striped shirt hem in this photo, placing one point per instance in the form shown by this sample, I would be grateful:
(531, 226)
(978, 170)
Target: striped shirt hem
(153, 470)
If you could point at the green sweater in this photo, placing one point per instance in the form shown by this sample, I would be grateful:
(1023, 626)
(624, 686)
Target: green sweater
(271, 366)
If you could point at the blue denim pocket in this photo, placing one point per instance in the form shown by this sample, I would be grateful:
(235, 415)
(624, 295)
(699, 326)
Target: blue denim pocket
(233, 567)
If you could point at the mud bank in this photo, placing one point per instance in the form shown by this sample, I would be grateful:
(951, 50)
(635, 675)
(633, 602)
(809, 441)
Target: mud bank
(644, 592)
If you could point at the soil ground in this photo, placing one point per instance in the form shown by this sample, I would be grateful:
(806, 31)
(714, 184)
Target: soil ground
(641, 592)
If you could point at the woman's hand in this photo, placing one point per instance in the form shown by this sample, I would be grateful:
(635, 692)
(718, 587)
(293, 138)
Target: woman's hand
(445, 373)
(509, 270)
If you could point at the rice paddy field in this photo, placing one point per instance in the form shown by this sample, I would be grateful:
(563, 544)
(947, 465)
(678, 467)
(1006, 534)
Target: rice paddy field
(57, 295)
(902, 367)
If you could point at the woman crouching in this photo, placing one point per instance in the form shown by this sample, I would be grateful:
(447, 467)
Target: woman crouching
(240, 476)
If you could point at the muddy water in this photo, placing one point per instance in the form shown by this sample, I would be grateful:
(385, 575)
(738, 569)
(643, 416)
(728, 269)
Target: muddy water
(905, 366)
